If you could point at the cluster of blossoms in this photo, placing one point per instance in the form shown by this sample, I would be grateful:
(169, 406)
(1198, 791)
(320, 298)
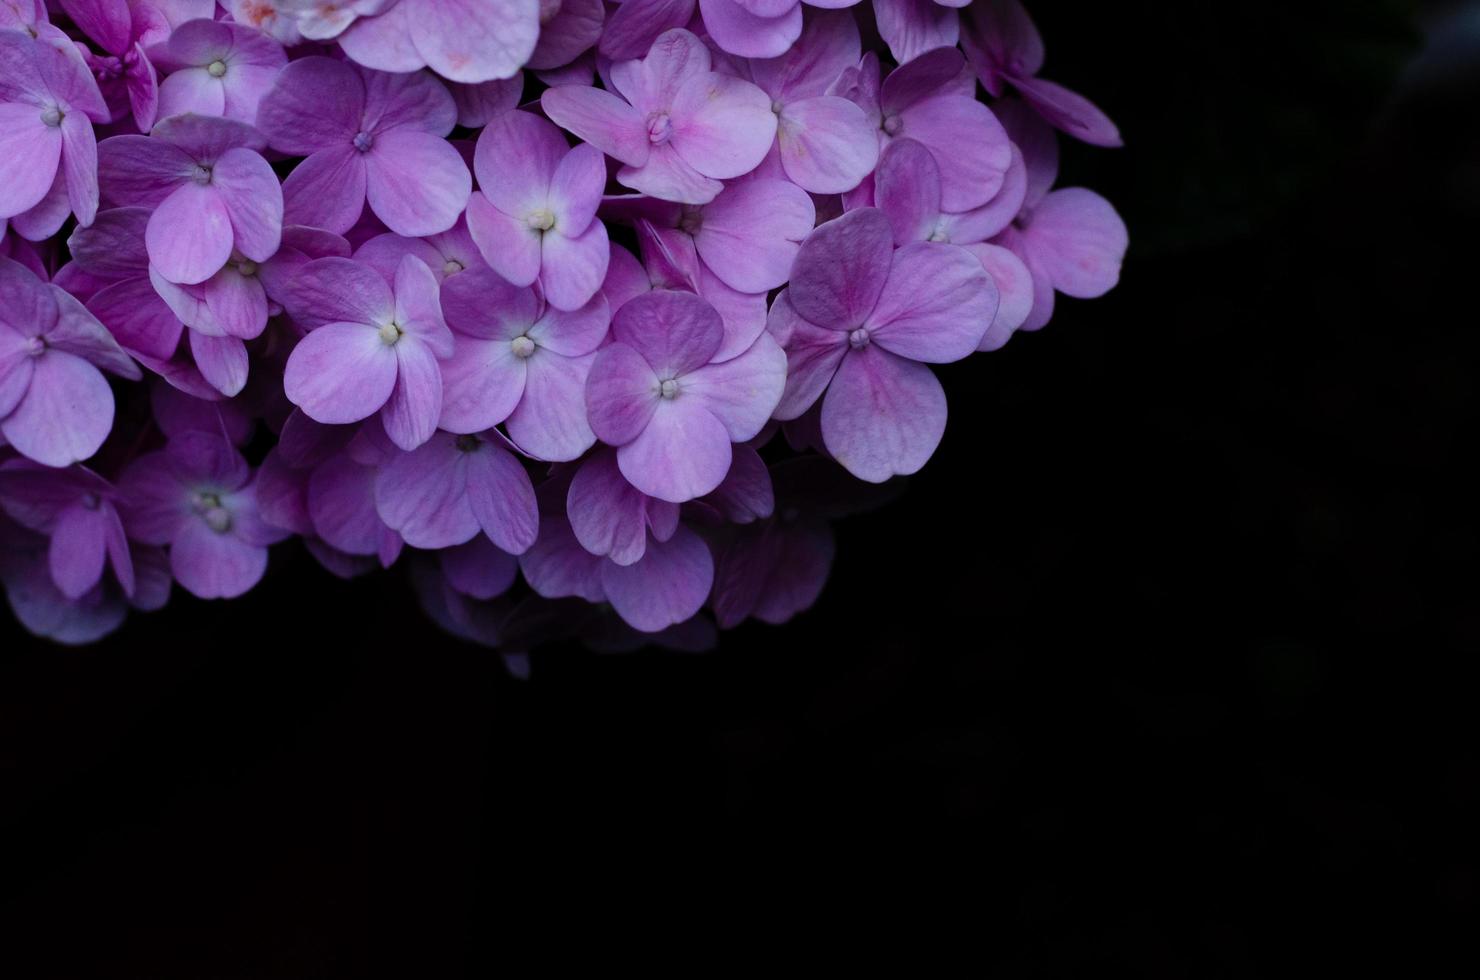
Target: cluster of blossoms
(625, 300)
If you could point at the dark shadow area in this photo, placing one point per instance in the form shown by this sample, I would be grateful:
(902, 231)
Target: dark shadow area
(1173, 640)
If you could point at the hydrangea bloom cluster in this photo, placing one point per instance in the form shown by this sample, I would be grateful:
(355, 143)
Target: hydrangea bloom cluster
(594, 314)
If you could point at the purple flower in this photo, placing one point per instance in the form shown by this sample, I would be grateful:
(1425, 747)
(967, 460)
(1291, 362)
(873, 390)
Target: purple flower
(210, 189)
(340, 498)
(1003, 45)
(48, 103)
(519, 361)
(612, 518)
(446, 254)
(860, 318)
(462, 40)
(366, 136)
(924, 101)
(534, 216)
(682, 127)
(55, 406)
(370, 348)
(667, 585)
(1072, 240)
(824, 143)
(907, 190)
(74, 507)
(455, 486)
(217, 69)
(657, 393)
(197, 497)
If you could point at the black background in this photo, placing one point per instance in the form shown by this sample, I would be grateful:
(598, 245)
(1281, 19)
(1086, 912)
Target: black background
(1163, 666)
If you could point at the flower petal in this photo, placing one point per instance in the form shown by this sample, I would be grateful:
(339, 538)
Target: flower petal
(883, 415)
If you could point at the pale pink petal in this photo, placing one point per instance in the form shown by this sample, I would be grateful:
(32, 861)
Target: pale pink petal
(410, 415)
(883, 415)
(416, 183)
(189, 235)
(913, 27)
(502, 498)
(338, 290)
(30, 152)
(423, 495)
(327, 190)
(66, 413)
(1079, 240)
(510, 246)
(621, 394)
(722, 127)
(675, 332)
(316, 103)
(936, 304)
(742, 33)
(474, 40)
(751, 233)
(572, 269)
(212, 565)
(841, 269)
(668, 177)
(682, 453)
(254, 202)
(826, 144)
(516, 159)
(549, 422)
(668, 586)
(743, 391)
(1014, 290)
(601, 119)
(340, 373)
(222, 362)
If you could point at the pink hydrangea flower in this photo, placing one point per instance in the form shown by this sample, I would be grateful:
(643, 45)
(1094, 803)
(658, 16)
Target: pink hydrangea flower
(211, 191)
(657, 394)
(217, 68)
(861, 321)
(534, 215)
(75, 508)
(679, 127)
(367, 136)
(370, 347)
(461, 40)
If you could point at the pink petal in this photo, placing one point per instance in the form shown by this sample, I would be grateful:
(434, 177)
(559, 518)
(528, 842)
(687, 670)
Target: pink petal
(316, 103)
(751, 233)
(340, 373)
(573, 30)
(341, 504)
(668, 586)
(327, 190)
(417, 184)
(212, 565)
(620, 394)
(339, 290)
(743, 391)
(510, 246)
(502, 498)
(419, 307)
(1079, 240)
(722, 126)
(79, 549)
(827, 144)
(30, 152)
(607, 514)
(192, 90)
(812, 358)
(549, 423)
(410, 416)
(969, 144)
(682, 453)
(675, 332)
(1069, 111)
(189, 235)
(936, 304)
(907, 190)
(883, 415)
(481, 384)
(576, 189)
(66, 413)
(742, 33)
(478, 569)
(254, 202)
(80, 166)
(841, 268)
(601, 119)
(474, 40)
(516, 159)
(572, 269)
(222, 362)
(423, 495)
(634, 25)
(668, 177)
(913, 27)
(1014, 290)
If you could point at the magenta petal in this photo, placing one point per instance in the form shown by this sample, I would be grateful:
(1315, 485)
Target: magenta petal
(573, 332)
(633, 26)
(66, 413)
(423, 495)
(189, 235)
(79, 549)
(743, 391)
(576, 188)
(936, 304)
(600, 118)
(327, 190)
(410, 415)
(907, 190)
(479, 103)
(549, 423)
(969, 144)
(211, 565)
(607, 514)
(1014, 290)
(742, 33)
(668, 177)
(883, 415)
(338, 290)
(315, 103)
(841, 268)
(682, 453)
(675, 332)
(812, 358)
(1079, 240)
(502, 498)
(572, 269)
(416, 183)
(80, 167)
(1069, 111)
(254, 202)
(668, 586)
(621, 394)
(827, 144)
(723, 127)
(751, 233)
(222, 362)
(474, 40)
(341, 505)
(340, 373)
(30, 152)
(557, 566)
(509, 246)
(516, 158)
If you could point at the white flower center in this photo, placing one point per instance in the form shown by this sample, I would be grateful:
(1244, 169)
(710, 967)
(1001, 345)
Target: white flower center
(668, 389)
(53, 116)
(452, 267)
(858, 339)
(659, 127)
(390, 333)
(541, 220)
(522, 346)
(216, 68)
